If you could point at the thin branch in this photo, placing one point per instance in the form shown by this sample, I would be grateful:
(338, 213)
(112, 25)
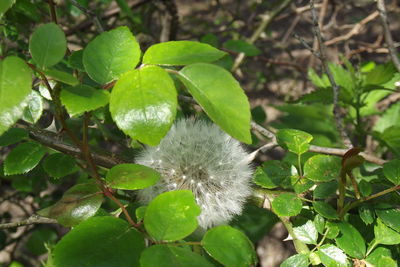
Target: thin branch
(53, 12)
(354, 31)
(335, 87)
(33, 219)
(266, 19)
(90, 14)
(388, 36)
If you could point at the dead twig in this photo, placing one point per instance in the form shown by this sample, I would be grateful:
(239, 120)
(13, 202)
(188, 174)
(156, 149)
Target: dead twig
(388, 36)
(33, 219)
(335, 87)
(357, 28)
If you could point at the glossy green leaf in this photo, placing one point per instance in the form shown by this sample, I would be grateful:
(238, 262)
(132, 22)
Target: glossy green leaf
(298, 260)
(307, 233)
(131, 176)
(59, 165)
(82, 98)
(325, 210)
(295, 141)
(350, 240)
(12, 136)
(391, 170)
(377, 254)
(169, 210)
(322, 168)
(38, 239)
(241, 46)
(181, 53)
(387, 262)
(300, 184)
(77, 204)
(23, 158)
(15, 86)
(287, 204)
(384, 235)
(332, 230)
(47, 45)
(143, 104)
(389, 215)
(272, 174)
(100, 241)
(319, 223)
(171, 256)
(34, 109)
(366, 214)
(62, 76)
(229, 246)
(5, 5)
(111, 54)
(221, 97)
(140, 212)
(332, 256)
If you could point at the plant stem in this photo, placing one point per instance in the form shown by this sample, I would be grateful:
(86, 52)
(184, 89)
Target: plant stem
(299, 245)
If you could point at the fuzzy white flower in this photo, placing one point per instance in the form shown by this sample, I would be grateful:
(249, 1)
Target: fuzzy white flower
(198, 156)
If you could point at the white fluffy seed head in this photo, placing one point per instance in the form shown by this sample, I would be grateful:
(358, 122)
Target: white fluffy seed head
(204, 160)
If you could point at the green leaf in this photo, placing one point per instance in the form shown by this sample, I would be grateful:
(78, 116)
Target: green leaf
(143, 104)
(23, 158)
(387, 262)
(5, 5)
(111, 54)
(391, 136)
(59, 165)
(384, 235)
(75, 60)
(325, 190)
(351, 241)
(181, 53)
(322, 168)
(391, 170)
(390, 117)
(62, 76)
(389, 215)
(140, 212)
(241, 46)
(287, 204)
(33, 111)
(229, 246)
(325, 210)
(12, 136)
(272, 174)
(100, 241)
(221, 97)
(300, 184)
(377, 254)
(319, 223)
(366, 214)
(47, 45)
(298, 260)
(131, 176)
(171, 256)
(15, 86)
(77, 204)
(83, 98)
(332, 230)
(307, 233)
(381, 74)
(295, 141)
(332, 256)
(37, 240)
(168, 210)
